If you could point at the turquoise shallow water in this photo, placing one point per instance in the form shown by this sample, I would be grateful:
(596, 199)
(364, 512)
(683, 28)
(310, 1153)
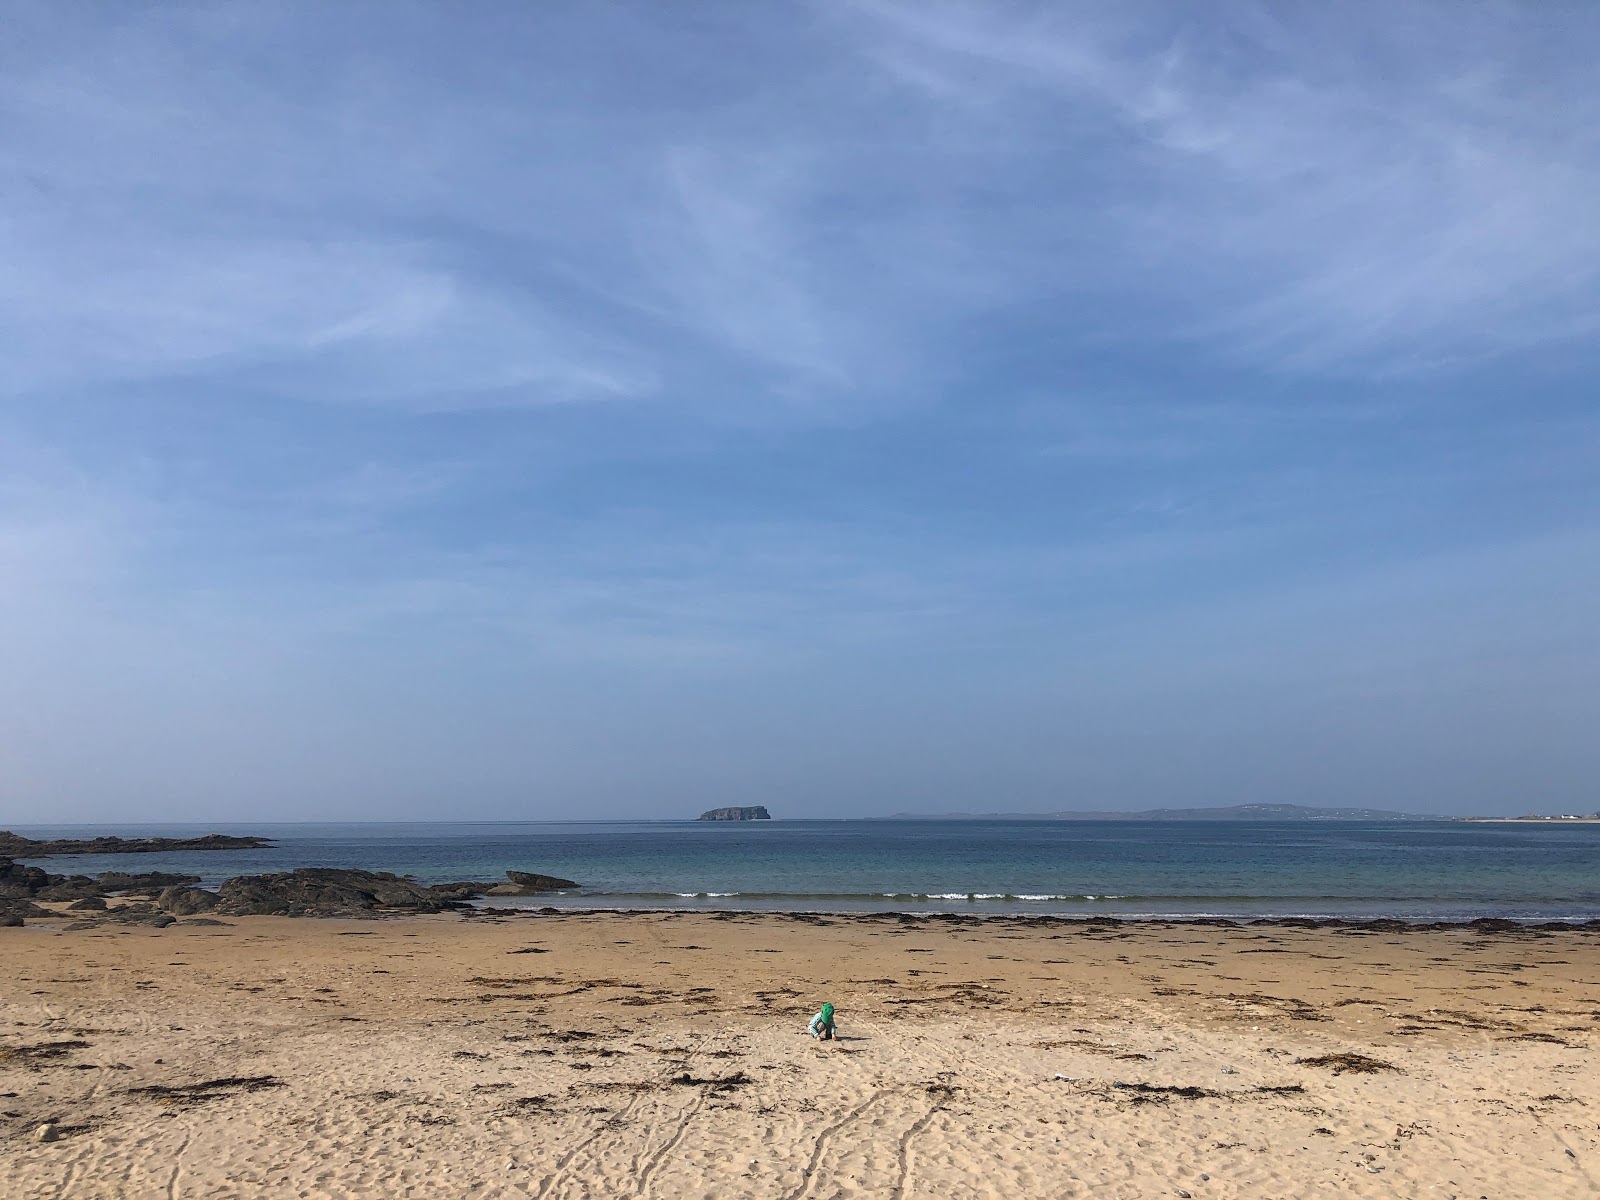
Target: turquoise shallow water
(1421, 871)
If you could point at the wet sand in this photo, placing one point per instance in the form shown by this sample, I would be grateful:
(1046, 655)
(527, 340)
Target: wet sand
(665, 1055)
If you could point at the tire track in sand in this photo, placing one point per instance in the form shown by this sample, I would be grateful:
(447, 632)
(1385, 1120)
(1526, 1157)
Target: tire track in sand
(610, 1124)
(821, 1146)
(902, 1186)
(642, 1180)
(177, 1167)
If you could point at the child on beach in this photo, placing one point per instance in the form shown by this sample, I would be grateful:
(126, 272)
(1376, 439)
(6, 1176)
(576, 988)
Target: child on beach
(821, 1026)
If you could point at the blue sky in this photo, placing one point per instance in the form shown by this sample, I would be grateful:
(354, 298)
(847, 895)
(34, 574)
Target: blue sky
(612, 410)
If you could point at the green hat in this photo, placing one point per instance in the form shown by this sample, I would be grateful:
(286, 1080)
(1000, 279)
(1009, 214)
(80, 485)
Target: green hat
(827, 1012)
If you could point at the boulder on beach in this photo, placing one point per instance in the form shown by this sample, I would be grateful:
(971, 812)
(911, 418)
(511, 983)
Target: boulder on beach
(156, 920)
(183, 901)
(330, 892)
(20, 882)
(525, 883)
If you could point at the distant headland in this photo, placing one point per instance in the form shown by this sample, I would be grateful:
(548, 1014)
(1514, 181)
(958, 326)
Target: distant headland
(14, 845)
(1232, 812)
(752, 812)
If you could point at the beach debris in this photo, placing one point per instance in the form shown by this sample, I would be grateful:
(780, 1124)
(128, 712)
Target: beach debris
(1153, 1093)
(209, 1089)
(725, 1083)
(1354, 1064)
(1157, 1093)
(528, 1104)
(47, 1133)
(42, 1051)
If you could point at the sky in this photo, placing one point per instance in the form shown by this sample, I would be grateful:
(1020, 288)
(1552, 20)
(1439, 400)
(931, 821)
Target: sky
(494, 411)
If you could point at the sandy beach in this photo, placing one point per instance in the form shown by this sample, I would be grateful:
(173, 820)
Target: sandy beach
(605, 1054)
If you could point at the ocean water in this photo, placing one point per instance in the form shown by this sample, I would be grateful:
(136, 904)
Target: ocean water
(1415, 870)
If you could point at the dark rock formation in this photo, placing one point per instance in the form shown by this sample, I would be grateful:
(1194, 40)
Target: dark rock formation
(524, 883)
(33, 883)
(68, 887)
(332, 892)
(753, 812)
(15, 845)
(20, 882)
(186, 901)
(87, 904)
(9, 920)
(132, 916)
(150, 881)
(458, 891)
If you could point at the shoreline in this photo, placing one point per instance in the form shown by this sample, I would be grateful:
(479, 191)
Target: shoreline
(53, 912)
(1286, 920)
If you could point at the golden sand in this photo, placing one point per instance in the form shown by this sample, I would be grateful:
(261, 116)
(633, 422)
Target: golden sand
(660, 1055)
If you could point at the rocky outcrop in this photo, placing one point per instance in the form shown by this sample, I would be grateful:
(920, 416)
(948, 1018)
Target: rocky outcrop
(21, 908)
(524, 883)
(753, 812)
(17, 846)
(18, 881)
(308, 891)
(149, 881)
(183, 901)
(333, 892)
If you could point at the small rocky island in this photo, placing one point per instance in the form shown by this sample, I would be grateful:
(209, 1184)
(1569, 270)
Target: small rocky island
(14, 845)
(753, 812)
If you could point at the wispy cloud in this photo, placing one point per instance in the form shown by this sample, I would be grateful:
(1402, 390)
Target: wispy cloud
(1362, 192)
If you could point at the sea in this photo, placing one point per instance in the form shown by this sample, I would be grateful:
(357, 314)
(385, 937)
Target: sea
(1414, 870)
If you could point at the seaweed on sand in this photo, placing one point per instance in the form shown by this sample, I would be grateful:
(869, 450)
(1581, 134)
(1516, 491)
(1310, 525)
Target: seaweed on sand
(1354, 1064)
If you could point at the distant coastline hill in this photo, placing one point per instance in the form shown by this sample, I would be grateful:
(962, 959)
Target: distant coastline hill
(1232, 812)
(753, 812)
